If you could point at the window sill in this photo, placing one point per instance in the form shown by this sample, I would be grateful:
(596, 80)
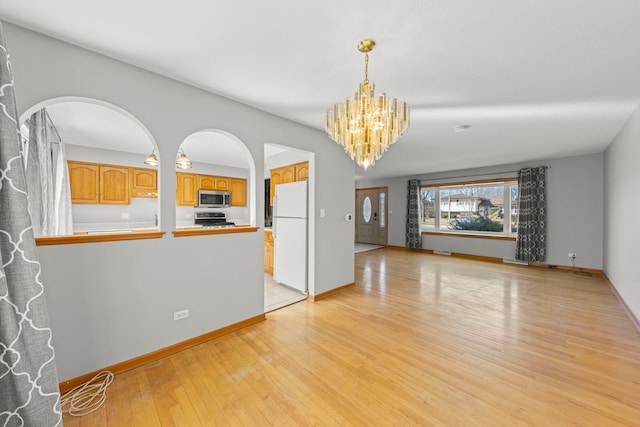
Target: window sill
(84, 237)
(473, 235)
(185, 232)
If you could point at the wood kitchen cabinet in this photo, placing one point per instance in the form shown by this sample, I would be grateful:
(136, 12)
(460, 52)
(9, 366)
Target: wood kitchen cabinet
(302, 171)
(221, 183)
(285, 174)
(186, 189)
(93, 183)
(114, 185)
(144, 183)
(206, 182)
(268, 252)
(188, 184)
(238, 187)
(83, 180)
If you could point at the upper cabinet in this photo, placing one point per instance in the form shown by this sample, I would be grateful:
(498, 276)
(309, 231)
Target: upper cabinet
(83, 179)
(206, 182)
(289, 173)
(144, 183)
(222, 183)
(98, 184)
(186, 188)
(114, 185)
(238, 188)
(302, 171)
(188, 184)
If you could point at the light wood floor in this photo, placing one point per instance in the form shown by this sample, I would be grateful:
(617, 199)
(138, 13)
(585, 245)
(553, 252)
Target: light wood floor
(421, 340)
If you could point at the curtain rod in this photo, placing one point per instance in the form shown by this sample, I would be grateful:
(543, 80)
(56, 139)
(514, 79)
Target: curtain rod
(478, 175)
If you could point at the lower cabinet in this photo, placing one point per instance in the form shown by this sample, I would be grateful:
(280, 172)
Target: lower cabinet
(268, 252)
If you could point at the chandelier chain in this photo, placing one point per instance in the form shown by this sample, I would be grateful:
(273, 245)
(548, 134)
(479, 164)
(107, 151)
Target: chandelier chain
(366, 67)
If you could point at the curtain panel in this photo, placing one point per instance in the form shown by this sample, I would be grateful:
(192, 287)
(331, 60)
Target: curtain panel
(531, 240)
(63, 221)
(29, 394)
(413, 237)
(47, 180)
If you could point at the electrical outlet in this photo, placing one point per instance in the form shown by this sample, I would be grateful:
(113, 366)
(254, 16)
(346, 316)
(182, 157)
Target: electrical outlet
(124, 215)
(189, 215)
(182, 314)
(572, 255)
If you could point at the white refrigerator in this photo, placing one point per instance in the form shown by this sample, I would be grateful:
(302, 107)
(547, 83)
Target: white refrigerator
(290, 235)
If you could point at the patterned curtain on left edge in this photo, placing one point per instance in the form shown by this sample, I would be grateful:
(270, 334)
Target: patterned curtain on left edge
(29, 394)
(413, 236)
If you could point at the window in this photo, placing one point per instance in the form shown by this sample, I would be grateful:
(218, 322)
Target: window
(382, 196)
(485, 208)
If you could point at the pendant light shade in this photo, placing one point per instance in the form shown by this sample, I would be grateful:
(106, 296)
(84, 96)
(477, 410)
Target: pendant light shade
(183, 161)
(152, 160)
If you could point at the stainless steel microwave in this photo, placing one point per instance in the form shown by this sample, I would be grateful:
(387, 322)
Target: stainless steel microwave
(214, 199)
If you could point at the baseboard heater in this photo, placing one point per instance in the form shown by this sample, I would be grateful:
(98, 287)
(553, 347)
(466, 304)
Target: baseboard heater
(514, 261)
(441, 252)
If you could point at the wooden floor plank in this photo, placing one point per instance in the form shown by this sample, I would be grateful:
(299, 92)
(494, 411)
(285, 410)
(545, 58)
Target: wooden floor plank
(420, 340)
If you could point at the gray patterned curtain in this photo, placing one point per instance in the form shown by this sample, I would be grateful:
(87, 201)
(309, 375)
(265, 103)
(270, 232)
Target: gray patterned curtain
(29, 394)
(532, 215)
(413, 237)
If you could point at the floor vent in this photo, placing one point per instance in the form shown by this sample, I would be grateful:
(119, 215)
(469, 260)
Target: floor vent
(514, 261)
(441, 252)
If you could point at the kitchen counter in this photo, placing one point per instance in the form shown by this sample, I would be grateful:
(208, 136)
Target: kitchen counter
(201, 231)
(100, 236)
(92, 236)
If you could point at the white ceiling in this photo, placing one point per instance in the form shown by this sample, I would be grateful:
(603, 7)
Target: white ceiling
(534, 78)
(97, 126)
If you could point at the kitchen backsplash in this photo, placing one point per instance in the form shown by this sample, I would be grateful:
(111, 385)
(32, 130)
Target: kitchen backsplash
(140, 213)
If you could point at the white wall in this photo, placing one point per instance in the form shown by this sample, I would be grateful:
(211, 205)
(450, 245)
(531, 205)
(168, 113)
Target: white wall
(575, 211)
(111, 301)
(622, 205)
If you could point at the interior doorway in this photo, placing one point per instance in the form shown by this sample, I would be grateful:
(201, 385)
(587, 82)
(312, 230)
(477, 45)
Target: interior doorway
(289, 222)
(371, 215)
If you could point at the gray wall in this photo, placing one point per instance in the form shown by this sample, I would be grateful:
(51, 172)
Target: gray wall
(622, 204)
(575, 211)
(111, 301)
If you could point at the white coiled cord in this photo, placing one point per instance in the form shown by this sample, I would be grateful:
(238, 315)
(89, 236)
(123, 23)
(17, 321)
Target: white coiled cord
(87, 397)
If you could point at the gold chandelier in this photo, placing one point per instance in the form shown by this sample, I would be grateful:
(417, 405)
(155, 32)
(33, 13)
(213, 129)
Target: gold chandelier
(367, 124)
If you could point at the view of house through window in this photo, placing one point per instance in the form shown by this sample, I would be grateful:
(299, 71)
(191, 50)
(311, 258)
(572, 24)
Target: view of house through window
(483, 208)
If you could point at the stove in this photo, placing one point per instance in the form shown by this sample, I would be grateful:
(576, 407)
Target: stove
(212, 220)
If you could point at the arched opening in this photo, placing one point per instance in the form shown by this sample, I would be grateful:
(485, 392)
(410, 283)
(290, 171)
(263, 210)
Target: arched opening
(85, 165)
(217, 187)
